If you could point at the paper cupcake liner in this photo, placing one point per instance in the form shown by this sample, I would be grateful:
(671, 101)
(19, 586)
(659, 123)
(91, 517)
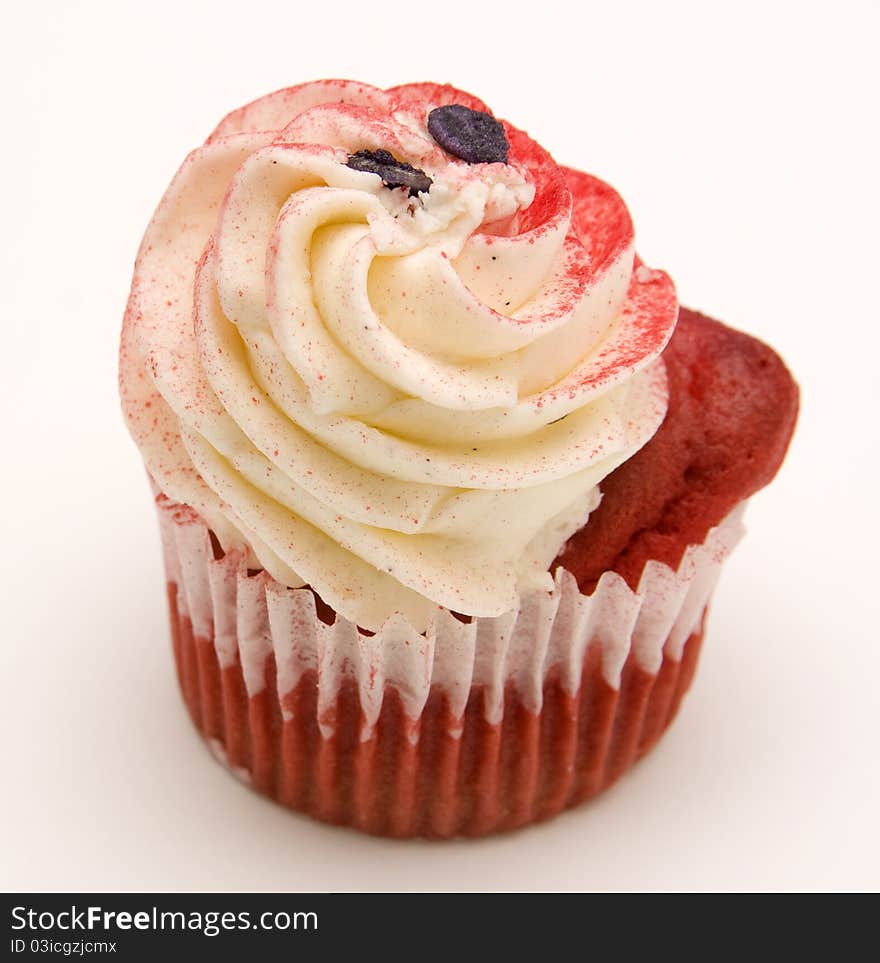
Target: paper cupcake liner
(469, 728)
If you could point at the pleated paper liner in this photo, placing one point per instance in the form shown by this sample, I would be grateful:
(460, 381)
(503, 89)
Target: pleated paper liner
(469, 728)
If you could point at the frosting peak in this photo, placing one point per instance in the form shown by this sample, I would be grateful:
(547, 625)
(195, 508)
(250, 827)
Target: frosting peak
(403, 399)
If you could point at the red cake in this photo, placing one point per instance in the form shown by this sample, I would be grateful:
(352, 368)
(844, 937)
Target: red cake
(732, 411)
(445, 479)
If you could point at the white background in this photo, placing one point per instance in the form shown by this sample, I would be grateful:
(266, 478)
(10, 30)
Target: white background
(744, 139)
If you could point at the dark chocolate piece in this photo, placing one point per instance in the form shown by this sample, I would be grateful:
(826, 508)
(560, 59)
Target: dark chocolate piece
(473, 136)
(394, 172)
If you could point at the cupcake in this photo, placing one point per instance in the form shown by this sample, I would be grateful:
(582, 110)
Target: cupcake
(444, 475)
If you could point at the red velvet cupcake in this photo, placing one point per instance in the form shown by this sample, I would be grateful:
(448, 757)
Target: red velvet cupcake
(445, 478)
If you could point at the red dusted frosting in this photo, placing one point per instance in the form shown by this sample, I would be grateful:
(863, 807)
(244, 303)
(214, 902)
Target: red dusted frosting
(284, 372)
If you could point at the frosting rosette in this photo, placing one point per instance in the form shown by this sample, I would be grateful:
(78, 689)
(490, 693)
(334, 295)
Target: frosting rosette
(402, 398)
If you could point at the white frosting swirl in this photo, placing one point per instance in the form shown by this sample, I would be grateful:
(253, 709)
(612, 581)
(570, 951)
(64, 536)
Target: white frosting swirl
(402, 402)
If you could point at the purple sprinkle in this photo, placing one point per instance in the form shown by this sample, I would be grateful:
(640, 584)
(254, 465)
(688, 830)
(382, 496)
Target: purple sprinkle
(472, 135)
(394, 172)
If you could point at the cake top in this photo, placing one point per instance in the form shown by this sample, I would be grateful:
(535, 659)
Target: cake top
(369, 343)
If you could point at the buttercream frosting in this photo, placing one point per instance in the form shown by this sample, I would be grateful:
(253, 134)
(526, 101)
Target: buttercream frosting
(403, 402)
